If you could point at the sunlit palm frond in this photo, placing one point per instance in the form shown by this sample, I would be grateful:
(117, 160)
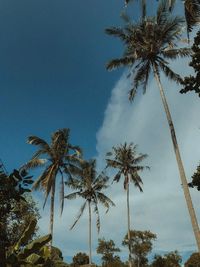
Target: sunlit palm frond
(35, 162)
(34, 140)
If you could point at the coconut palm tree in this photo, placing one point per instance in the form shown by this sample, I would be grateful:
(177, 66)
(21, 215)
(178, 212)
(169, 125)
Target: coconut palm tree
(89, 186)
(59, 155)
(125, 159)
(191, 11)
(148, 45)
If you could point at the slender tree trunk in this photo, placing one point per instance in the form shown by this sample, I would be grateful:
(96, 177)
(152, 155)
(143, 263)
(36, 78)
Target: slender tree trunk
(2, 255)
(90, 234)
(180, 164)
(52, 212)
(129, 223)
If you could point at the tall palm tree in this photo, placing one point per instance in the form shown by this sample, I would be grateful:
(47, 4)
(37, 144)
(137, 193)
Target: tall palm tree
(191, 11)
(148, 45)
(59, 155)
(125, 159)
(89, 186)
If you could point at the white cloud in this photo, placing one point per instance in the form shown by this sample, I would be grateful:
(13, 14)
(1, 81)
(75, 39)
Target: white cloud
(161, 208)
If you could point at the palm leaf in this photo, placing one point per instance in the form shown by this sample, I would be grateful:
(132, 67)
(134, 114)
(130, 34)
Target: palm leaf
(34, 140)
(116, 63)
(96, 210)
(79, 214)
(61, 193)
(105, 201)
(34, 163)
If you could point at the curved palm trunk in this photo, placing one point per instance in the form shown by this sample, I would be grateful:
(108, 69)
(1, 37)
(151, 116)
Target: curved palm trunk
(129, 223)
(90, 234)
(180, 164)
(52, 212)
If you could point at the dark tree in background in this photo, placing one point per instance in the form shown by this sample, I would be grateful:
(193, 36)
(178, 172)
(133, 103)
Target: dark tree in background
(192, 82)
(16, 209)
(196, 179)
(172, 259)
(141, 245)
(107, 249)
(80, 259)
(193, 261)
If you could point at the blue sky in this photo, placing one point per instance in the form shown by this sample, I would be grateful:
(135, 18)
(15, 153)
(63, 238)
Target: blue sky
(53, 75)
(53, 56)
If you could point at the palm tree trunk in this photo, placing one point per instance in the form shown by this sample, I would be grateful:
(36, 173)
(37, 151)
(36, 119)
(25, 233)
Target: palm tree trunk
(180, 164)
(90, 234)
(129, 223)
(52, 212)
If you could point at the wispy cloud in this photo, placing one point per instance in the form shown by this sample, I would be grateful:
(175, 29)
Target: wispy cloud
(161, 208)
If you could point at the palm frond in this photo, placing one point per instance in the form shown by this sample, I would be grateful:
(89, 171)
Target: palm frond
(116, 63)
(117, 176)
(113, 163)
(73, 195)
(105, 201)
(192, 13)
(132, 94)
(61, 193)
(38, 183)
(175, 53)
(34, 163)
(169, 73)
(96, 210)
(79, 214)
(34, 140)
(48, 181)
(117, 32)
(136, 179)
(139, 158)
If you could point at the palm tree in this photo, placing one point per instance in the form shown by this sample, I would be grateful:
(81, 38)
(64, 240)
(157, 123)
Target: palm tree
(125, 160)
(148, 45)
(59, 155)
(88, 185)
(191, 11)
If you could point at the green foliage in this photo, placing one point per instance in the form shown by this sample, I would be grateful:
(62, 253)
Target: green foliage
(196, 179)
(33, 253)
(140, 245)
(192, 83)
(16, 208)
(193, 261)
(107, 250)
(172, 259)
(80, 259)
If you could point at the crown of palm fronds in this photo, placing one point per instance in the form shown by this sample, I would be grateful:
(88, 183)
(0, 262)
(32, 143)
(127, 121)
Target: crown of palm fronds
(89, 186)
(59, 155)
(148, 44)
(125, 159)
